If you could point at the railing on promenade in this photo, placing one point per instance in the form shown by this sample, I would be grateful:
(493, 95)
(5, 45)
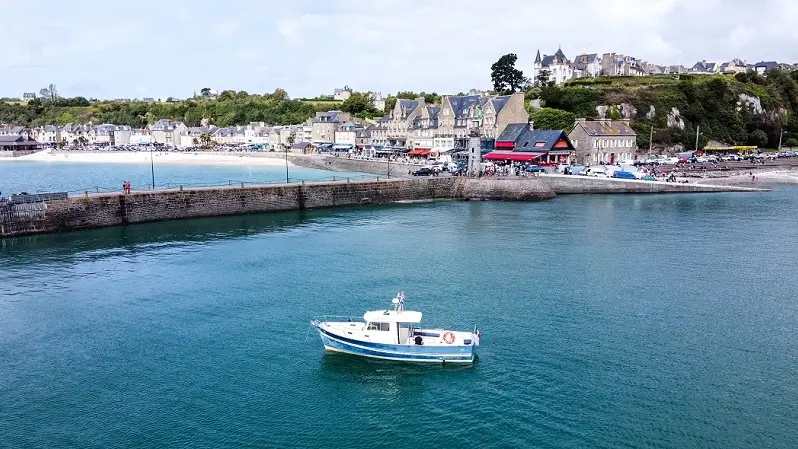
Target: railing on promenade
(177, 186)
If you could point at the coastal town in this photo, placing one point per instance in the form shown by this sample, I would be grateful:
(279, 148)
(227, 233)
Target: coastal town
(438, 131)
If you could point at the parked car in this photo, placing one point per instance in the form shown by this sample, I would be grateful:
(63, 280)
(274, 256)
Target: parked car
(624, 175)
(424, 171)
(535, 169)
(648, 178)
(672, 160)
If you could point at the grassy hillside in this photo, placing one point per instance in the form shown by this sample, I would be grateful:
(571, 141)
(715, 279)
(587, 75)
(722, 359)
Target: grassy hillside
(746, 109)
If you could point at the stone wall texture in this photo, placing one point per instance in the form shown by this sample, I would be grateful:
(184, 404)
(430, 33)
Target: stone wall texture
(93, 211)
(568, 184)
(353, 165)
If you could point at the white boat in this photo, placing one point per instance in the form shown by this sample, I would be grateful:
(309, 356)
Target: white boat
(394, 334)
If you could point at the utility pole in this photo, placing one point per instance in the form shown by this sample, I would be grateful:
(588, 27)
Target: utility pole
(781, 133)
(696, 136)
(152, 168)
(286, 165)
(651, 140)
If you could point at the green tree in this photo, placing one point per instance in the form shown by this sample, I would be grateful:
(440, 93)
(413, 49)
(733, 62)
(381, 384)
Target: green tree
(357, 103)
(49, 93)
(205, 92)
(505, 77)
(279, 95)
(548, 118)
(407, 95)
(758, 138)
(432, 98)
(792, 142)
(390, 103)
(543, 78)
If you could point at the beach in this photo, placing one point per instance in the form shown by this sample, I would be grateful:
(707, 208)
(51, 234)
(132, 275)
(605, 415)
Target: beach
(761, 177)
(159, 157)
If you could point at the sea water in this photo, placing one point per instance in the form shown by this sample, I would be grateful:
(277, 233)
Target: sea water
(608, 321)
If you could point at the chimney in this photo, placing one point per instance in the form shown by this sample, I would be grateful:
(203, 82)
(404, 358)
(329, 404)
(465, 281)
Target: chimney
(530, 124)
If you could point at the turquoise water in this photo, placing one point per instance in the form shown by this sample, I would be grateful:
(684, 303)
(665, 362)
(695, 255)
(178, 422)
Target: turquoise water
(76, 177)
(608, 321)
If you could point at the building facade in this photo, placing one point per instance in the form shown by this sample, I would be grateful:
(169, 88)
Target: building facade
(603, 141)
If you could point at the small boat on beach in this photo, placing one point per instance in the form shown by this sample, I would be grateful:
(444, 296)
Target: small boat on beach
(393, 334)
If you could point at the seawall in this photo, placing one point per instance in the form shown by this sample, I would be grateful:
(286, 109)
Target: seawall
(569, 184)
(100, 210)
(377, 167)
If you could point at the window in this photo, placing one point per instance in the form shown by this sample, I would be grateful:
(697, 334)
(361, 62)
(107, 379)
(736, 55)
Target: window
(595, 144)
(372, 326)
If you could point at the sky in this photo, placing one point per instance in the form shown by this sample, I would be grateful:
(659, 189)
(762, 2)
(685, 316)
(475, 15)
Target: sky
(162, 48)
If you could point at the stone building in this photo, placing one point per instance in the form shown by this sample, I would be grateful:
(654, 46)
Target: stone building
(325, 124)
(603, 141)
(401, 119)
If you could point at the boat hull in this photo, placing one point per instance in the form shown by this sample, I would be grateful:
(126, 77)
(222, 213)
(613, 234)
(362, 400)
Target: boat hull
(405, 353)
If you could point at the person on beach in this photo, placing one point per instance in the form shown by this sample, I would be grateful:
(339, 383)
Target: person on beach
(128, 186)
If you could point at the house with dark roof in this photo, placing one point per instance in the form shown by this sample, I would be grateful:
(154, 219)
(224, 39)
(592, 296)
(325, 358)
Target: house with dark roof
(558, 66)
(461, 117)
(603, 141)
(587, 65)
(325, 124)
(346, 135)
(422, 130)
(401, 118)
(302, 147)
(520, 142)
(12, 142)
(763, 67)
(704, 67)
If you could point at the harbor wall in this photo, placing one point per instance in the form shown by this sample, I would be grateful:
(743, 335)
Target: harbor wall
(569, 184)
(99, 210)
(342, 163)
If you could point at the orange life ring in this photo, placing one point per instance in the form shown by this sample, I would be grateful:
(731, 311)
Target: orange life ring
(448, 338)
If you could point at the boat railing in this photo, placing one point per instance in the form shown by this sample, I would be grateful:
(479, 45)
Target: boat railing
(338, 318)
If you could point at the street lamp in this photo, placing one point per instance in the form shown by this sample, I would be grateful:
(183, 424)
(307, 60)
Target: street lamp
(152, 168)
(286, 164)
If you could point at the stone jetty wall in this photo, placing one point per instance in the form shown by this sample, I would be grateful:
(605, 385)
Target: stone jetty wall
(353, 165)
(568, 184)
(99, 210)
(91, 211)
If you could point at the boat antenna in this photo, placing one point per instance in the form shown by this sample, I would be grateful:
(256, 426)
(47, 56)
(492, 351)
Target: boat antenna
(400, 301)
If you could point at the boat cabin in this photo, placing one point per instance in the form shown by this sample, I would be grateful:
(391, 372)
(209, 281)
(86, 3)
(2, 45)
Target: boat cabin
(391, 326)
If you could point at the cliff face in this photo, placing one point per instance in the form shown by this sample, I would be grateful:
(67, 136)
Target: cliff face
(746, 109)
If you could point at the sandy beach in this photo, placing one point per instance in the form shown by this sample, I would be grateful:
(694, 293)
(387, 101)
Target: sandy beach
(762, 177)
(122, 157)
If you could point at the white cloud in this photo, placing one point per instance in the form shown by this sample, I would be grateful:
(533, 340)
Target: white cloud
(310, 47)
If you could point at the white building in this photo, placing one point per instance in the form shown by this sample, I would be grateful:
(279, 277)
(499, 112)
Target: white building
(342, 94)
(558, 66)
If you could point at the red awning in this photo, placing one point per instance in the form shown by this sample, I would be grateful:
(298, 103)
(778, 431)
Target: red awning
(506, 144)
(511, 156)
(418, 152)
